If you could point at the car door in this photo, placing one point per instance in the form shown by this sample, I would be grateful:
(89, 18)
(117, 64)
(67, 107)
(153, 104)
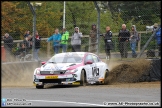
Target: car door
(98, 66)
(89, 67)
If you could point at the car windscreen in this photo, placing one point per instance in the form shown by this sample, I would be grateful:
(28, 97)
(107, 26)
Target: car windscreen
(66, 59)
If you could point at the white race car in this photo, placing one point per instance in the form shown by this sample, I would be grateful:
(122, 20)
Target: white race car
(78, 68)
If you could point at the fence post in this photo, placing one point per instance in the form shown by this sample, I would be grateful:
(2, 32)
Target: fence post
(48, 49)
(32, 8)
(89, 48)
(98, 26)
(139, 43)
(115, 46)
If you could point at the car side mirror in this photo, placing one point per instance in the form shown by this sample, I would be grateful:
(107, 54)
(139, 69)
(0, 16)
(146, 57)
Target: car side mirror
(43, 63)
(89, 62)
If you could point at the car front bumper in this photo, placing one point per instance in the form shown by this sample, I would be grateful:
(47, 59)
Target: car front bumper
(56, 80)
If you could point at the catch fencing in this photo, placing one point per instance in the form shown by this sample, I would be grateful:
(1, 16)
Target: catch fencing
(17, 18)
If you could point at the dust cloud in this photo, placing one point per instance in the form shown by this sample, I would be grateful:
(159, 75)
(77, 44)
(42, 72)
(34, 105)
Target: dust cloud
(17, 74)
(14, 74)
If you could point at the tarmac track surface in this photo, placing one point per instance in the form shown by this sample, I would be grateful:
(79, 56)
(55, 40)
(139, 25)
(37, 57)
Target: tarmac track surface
(119, 94)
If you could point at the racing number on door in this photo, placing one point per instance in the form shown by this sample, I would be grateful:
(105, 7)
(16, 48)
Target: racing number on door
(95, 71)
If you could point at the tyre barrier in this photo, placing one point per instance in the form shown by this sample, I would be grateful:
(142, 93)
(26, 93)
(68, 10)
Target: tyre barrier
(154, 71)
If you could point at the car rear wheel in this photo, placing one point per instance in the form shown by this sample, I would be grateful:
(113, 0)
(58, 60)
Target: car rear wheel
(105, 77)
(83, 78)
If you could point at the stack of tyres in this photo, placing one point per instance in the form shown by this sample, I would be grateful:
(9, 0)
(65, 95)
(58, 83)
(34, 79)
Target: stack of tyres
(150, 53)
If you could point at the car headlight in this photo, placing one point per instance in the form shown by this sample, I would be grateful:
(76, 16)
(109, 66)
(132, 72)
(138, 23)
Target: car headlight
(73, 70)
(37, 71)
(75, 75)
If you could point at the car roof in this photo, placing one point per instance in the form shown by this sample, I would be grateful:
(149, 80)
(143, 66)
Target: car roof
(73, 53)
(70, 53)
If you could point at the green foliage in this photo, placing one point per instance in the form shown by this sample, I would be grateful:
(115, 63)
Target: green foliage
(81, 14)
(140, 10)
(17, 16)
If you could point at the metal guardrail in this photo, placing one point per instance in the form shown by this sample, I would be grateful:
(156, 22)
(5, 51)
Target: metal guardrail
(17, 41)
(114, 34)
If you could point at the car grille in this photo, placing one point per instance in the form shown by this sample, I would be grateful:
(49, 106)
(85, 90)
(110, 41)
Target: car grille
(52, 80)
(52, 72)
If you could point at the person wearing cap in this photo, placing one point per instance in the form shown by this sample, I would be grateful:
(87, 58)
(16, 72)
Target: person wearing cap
(76, 40)
(133, 40)
(93, 36)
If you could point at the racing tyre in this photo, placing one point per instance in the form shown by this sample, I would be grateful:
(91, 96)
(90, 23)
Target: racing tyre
(105, 78)
(39, 86)
(83, 79)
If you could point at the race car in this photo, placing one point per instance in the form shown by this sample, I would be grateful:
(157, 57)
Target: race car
(71, 68)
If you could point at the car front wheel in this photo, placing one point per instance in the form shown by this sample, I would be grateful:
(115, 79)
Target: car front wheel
(40, 86)
(105, 78)
(83, 78)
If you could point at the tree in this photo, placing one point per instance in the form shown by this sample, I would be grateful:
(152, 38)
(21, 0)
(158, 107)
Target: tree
(8, 10)
(137, 10)
(81, 14)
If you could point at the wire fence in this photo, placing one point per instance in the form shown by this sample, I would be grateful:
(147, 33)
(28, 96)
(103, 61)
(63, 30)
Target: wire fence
(17, 18)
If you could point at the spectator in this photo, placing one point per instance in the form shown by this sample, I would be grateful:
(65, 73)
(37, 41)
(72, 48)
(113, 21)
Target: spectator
(158, 39)
(27, 33)
(64, 39)
(28, 43)
(37, 46)
(108, 42)
(76, 40)
(93, 36)
(133, 40)
(123, 37)
(154, 27)
(56, 38)
(21, 51)
(8, 45)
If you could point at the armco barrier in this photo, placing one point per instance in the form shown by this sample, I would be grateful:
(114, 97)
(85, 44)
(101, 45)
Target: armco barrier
(14, 70)
(153, 73)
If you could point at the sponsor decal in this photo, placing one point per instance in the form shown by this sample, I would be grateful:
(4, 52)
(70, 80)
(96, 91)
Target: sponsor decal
(51, 77)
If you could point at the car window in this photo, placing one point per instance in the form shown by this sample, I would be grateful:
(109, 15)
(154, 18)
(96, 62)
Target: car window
(95, 59)
(89, 58)
(99, 60)
(72, 60)
(63, 59)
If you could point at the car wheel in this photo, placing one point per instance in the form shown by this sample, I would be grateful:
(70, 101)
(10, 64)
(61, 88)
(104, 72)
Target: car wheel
(105, 77)
(40, 86)
(83, 79)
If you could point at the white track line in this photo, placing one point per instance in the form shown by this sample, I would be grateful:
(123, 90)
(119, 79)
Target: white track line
(67, 102)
